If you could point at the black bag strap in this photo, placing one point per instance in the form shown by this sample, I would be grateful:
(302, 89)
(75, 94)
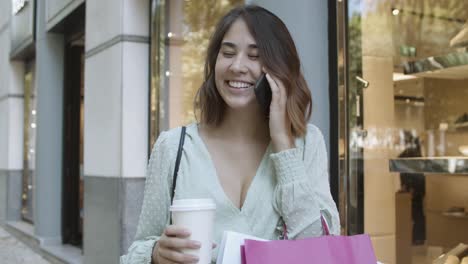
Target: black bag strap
(177, 163)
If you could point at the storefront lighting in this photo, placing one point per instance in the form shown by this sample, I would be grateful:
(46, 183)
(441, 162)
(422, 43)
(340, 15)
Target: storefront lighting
(395, 11)
(33, 125)
(170, 35)
(168, 73)
(33, 112)
(443, 126)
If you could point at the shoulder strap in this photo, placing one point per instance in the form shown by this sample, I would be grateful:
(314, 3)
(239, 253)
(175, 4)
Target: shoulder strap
(177, 163)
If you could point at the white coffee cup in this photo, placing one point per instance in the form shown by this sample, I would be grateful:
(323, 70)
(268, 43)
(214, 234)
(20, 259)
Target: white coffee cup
(197, 215)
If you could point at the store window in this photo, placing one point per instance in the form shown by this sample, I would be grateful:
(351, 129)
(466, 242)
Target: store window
(29, 146)
(403, 73)
(179, 39)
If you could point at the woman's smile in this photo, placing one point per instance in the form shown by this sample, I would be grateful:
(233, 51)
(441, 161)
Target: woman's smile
(239, 84)
(239, 87)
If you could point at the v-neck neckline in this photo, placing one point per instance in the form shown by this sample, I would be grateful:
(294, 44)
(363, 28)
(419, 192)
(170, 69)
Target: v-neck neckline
(219, 187)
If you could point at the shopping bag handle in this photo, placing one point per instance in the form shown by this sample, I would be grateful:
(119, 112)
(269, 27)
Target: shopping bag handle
(326, 230)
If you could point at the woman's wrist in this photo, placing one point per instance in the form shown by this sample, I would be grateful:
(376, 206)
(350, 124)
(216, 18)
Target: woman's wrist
(282, 143)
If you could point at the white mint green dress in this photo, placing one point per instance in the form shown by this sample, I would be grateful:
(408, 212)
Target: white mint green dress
(290, 185)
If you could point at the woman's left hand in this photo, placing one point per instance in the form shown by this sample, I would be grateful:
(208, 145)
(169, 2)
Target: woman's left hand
(280, 125)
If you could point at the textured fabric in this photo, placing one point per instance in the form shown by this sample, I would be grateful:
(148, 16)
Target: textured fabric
(291, 185)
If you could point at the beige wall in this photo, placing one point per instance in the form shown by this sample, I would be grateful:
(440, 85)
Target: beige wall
(409, 116)
(446, 100)
(379, 190)
(443, 192)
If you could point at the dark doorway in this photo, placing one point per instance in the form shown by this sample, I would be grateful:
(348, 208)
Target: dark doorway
(72, 182)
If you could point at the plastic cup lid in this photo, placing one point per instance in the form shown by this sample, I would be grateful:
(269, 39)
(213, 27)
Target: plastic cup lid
(193, 205)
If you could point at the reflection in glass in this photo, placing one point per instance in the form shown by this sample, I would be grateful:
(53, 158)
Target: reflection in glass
(180, 34)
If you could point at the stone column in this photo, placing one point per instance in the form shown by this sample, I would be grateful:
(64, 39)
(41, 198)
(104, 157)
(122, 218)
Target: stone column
(49, 77)
(11, 122)
(116, 125)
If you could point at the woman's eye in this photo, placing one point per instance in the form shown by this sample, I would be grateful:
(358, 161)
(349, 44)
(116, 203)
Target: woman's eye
(228, 54)
(253, 57)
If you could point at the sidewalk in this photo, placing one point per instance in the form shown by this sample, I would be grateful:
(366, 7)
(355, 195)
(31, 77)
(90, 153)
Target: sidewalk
(13, 251)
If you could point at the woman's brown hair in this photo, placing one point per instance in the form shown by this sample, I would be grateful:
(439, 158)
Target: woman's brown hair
(278, 55)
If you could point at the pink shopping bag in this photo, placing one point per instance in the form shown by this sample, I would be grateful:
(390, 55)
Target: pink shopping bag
(324, 250)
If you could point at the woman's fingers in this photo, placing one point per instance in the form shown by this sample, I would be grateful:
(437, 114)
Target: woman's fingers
(278, 90)
(275, 92)
(162, 260)
(279, 123)
(170, 246)
(179, 243)
(176, 256)
(176, 231)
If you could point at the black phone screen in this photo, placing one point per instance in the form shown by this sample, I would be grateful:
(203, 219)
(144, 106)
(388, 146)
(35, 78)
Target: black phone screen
(263, 93)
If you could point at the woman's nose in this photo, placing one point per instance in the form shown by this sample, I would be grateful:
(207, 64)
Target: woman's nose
(238, 65)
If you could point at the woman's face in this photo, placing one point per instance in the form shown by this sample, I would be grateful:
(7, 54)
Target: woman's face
(237, 66)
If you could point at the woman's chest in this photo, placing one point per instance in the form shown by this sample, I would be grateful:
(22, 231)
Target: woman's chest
(231, 178)
(236, 167)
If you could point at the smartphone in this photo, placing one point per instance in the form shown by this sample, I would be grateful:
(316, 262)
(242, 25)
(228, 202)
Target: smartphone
(263, 93)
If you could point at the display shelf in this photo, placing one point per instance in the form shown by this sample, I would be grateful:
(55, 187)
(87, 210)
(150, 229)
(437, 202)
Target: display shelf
(428, 165)
(452, 215)
(449, 215)
(461, 125)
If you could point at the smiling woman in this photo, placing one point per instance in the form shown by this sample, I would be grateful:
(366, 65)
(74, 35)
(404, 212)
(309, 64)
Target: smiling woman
(263, 173)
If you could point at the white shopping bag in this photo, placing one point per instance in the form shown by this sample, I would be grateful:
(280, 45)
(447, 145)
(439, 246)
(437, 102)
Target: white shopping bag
(229, 250)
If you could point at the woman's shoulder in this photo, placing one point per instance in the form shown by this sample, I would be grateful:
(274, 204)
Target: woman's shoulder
(313, 142)
(313, 134)
(313, 130)
(169, 140)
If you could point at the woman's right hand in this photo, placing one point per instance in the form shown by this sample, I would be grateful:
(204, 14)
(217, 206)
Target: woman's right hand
(169, 247)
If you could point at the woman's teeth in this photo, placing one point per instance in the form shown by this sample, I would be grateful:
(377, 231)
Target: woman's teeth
(239, 85)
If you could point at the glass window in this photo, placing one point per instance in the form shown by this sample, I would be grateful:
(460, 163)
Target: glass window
(180, 34)
(405, 119)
